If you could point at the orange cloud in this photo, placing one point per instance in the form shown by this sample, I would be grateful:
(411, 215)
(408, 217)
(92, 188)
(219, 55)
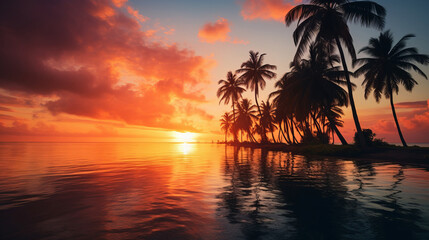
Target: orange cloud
(413, 119)
(267, 9)
(119, 3)
(414, 126)
(110, 69)
(136, 14)
(218, 32)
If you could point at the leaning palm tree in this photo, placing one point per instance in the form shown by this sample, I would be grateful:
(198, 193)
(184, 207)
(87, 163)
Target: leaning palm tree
(254, 72)
(226, 124)
(333, 114)
(388, 66)
(326, 20)
(231, 90)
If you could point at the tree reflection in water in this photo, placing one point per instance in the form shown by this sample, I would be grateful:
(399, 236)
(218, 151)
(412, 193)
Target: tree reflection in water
(276, 195)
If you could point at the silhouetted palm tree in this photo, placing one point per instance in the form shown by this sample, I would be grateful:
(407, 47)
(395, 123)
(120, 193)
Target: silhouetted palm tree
(327, 21)
(268, 118)
(246, 113)
(225, 124)
(311, 86)
(254, 72)
(231, 90)
(387, 66)
(333, 114)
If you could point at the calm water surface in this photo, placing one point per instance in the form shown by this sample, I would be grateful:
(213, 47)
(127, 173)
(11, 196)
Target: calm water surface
(203, 191)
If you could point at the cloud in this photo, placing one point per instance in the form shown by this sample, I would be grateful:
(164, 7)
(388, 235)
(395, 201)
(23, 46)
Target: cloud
(5, 109)
(218, 32)
(413, 105)
(413, 120)
(92, 58)
(414, 126)
(267, 9)
(119, 3)
(15, 101)
(136, 14)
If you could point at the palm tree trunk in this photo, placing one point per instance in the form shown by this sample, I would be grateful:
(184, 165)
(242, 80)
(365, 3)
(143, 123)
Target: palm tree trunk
(263, 136)
(350, 91)
(234, 132)
(251, 136)
(226, 135)
(340, 136)
(316, 123)
(284, 136)
(286, 131)
(396, 120)
(292, 131)
(272, 135)
(297, 129)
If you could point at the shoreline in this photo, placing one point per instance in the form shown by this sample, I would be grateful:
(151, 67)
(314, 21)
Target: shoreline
(414, 155)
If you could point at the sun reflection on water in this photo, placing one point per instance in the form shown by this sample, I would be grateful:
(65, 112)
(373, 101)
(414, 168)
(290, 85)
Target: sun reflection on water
(186, 148)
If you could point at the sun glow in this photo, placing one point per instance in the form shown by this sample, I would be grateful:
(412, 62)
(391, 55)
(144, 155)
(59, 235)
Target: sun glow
(184, 137)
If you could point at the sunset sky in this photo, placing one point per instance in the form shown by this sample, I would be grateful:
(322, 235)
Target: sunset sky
(118, 70)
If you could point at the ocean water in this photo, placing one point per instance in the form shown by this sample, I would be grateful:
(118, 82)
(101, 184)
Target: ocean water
(203, 191)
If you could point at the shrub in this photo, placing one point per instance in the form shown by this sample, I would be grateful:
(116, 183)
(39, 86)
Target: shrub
(370, 139)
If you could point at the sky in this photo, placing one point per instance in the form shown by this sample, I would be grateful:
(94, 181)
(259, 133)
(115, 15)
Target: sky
(118, 70)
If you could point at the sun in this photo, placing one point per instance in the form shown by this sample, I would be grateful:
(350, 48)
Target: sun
(184, 137)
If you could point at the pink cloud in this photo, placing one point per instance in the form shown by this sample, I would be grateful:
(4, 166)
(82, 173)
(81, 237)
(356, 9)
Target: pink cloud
(218, 32)
(136, 14)
(414, 125)
(119, 3)
(74, 54)
(267, 9)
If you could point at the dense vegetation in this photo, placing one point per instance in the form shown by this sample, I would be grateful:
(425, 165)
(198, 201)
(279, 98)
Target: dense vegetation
(307, 104)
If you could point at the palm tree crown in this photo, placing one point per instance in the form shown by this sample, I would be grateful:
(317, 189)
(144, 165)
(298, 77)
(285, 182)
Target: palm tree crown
(326, 20)
(387, 65)
(230, 89)
(254, 72)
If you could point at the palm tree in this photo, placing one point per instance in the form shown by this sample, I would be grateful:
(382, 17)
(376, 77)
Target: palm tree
(246, 114)
(231, 90)
(310, 86)
(327, 21)
(268, 118)
(254, 73)
(333, 114)
(388, 66)
(226, 124)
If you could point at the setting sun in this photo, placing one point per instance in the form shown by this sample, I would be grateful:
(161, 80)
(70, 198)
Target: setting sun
(184, 137)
